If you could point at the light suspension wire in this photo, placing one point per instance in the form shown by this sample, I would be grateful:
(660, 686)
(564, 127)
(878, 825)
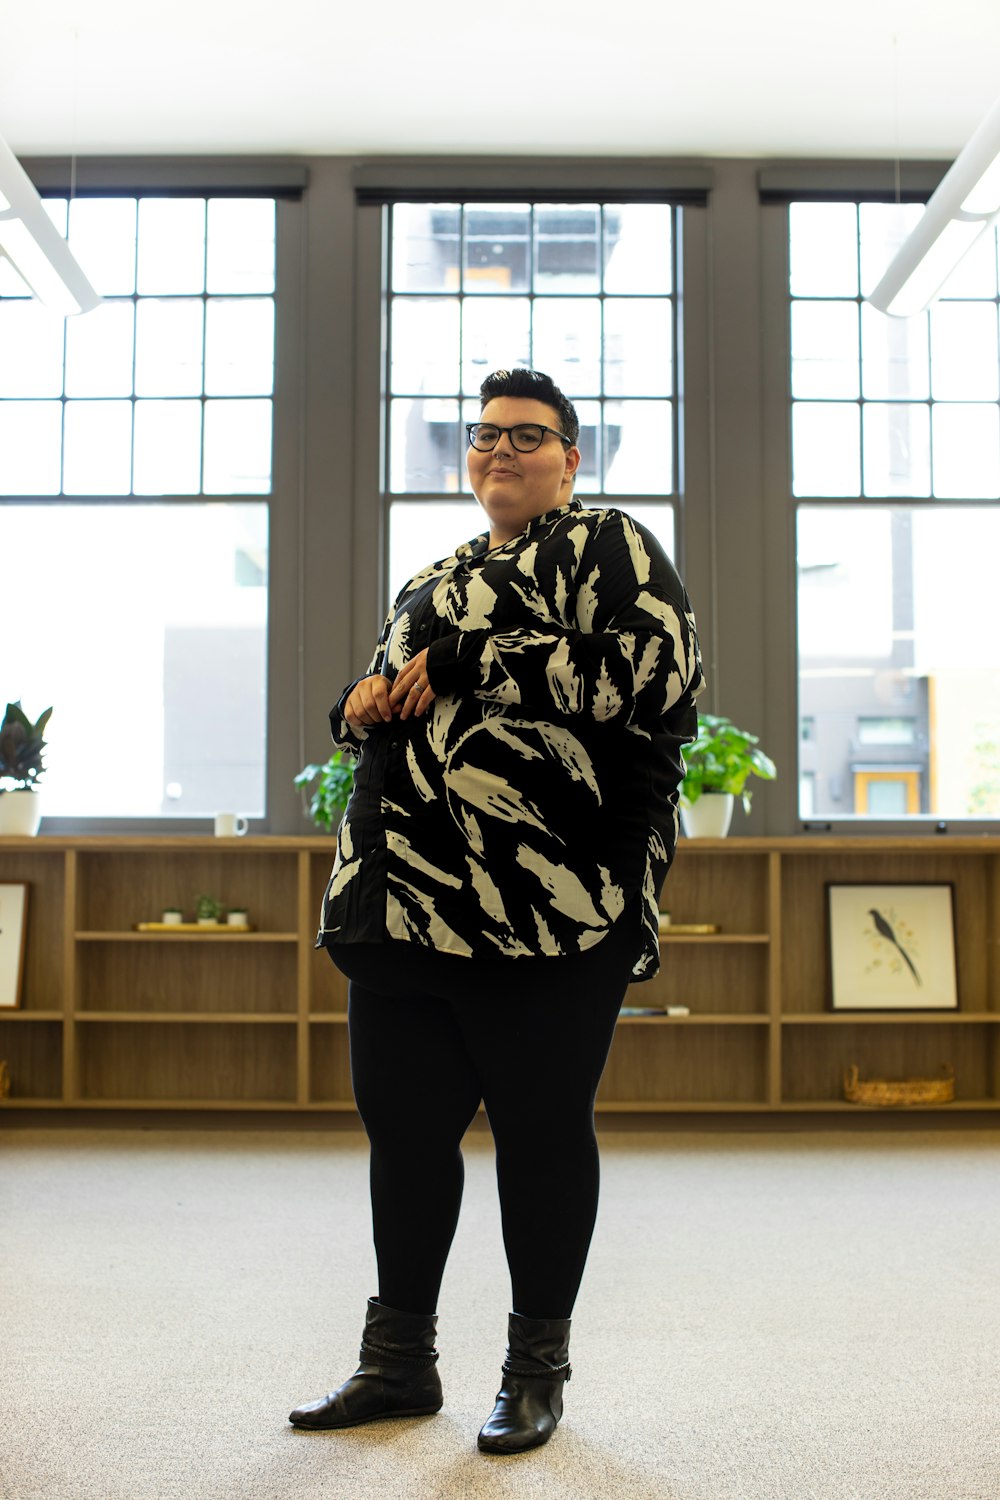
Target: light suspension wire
(965, 205)
(33, 244)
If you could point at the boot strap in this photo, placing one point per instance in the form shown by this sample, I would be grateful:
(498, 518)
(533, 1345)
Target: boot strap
(556, 1372)
(378, 1354)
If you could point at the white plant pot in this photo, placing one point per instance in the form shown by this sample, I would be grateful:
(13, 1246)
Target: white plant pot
(709, 817)
(20, 813)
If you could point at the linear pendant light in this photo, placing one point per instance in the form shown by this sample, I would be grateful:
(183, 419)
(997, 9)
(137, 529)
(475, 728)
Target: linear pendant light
(964, 205)
(33, 244)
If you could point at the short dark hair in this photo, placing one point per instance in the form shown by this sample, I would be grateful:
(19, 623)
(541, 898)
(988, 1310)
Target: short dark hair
(536, 387)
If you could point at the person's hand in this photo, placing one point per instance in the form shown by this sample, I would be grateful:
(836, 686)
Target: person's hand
(411, 692)
(369, 702)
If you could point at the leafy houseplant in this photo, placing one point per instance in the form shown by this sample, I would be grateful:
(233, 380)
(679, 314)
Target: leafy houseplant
(208, 910)
(21, 746)
(21, 765)
(334, 779)
(722, 759)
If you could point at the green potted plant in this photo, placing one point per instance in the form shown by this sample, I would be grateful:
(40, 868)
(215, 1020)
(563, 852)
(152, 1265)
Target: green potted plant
(334, 781)
(718, 767)
(21, 765)
(208, 911)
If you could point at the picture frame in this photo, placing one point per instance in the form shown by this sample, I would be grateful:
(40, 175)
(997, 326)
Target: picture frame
(891, 946)
(13, 931)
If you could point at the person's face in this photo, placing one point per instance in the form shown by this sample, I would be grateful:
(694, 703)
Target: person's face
(513, 487)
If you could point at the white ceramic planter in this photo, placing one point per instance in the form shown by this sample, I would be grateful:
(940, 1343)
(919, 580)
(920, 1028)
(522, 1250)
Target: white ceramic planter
(709, 817)
(20, 813)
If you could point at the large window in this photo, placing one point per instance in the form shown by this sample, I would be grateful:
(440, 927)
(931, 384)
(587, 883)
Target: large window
(896, 474)
(134, 566)
(583, 291)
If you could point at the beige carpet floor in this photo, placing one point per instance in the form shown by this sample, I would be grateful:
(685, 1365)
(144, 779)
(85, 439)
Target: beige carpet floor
(765, 1317)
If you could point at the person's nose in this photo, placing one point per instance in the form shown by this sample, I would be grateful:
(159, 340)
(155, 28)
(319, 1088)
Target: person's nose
(504, 447)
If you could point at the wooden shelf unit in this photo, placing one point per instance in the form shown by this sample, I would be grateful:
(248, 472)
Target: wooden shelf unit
(113, 1019)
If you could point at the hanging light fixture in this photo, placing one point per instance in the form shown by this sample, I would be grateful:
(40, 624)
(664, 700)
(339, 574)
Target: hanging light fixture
(965, 204)
(34, 246)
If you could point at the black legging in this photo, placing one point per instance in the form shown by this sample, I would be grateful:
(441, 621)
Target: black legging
(431, 1035)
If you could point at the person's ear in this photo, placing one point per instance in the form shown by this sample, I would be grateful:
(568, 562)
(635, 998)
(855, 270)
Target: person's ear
(573, 460)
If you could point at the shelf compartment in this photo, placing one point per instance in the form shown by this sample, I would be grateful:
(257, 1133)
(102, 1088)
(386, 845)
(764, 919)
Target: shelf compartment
(814, 1059)
(120, 887)
(327, 986)
(731, 890)
(717, 979)
(174, 1062)
(187, 1017)
(45, 874)
(804, 964)
(152, 977)
(230, 939)
(721, 1020)
(33, 1053)
(896, 1018)
(710, 1065)
(329, 1065)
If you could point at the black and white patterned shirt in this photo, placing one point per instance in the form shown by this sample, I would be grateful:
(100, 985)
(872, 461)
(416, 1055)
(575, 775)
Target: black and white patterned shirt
(539, 791)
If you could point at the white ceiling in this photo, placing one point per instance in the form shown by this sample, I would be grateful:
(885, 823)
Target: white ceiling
(782, 78)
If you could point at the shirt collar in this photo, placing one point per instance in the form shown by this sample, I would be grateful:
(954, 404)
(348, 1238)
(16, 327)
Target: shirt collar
(479, 545)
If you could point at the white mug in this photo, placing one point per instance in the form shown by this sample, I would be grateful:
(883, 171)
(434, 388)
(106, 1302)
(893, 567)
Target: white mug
(230, 825)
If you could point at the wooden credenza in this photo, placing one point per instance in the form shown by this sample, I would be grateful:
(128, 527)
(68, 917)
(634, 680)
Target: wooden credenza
(114, 1019)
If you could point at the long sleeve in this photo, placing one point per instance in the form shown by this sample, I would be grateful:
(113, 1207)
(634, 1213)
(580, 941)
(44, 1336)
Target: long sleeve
(629, 655)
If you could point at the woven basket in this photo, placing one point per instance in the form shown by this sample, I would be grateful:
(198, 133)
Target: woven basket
(899, 1091)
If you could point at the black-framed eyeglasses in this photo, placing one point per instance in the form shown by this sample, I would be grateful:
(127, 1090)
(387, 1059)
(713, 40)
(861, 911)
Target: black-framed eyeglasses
(525, 437)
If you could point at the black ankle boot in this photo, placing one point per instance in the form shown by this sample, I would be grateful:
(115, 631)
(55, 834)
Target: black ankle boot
(530, 1398)
(396, 1376)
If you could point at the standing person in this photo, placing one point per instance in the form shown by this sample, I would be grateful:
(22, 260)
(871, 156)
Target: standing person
(495, 891)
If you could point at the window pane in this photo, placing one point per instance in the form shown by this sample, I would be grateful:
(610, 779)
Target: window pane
(99, 351)
(496, 335)
(167, 448)
(98, 451)
(424, 345)
(976, 273)
(883, 228)
(497, 247)
(964, 351)
(424, 447)
(425, 531)
(241, 244)
(425, 247)
(102, 237)
(824, 249)
(637, 248)
(567, 343)
(659, 519)
(171, 245)
(825, 349)
(590, 474)
(894, 356)
(30, 448)
(567, 247)
(966, 451)
(239, 346)
(826, 457)
(896, 699)
(897, 449)
(237, 447)
(190, 666)
(31, 350)
(638, 347)
(169, 340)
(638, 446)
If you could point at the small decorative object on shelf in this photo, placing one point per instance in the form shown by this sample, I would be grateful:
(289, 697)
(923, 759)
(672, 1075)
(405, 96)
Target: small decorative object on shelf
(172, 916)
(717, 768)
(689, 929)
(4, 1081)
(237, 916)
(208, 911)
(899, 1091)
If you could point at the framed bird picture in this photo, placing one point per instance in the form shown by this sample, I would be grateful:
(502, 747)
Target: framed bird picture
(892, 947)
